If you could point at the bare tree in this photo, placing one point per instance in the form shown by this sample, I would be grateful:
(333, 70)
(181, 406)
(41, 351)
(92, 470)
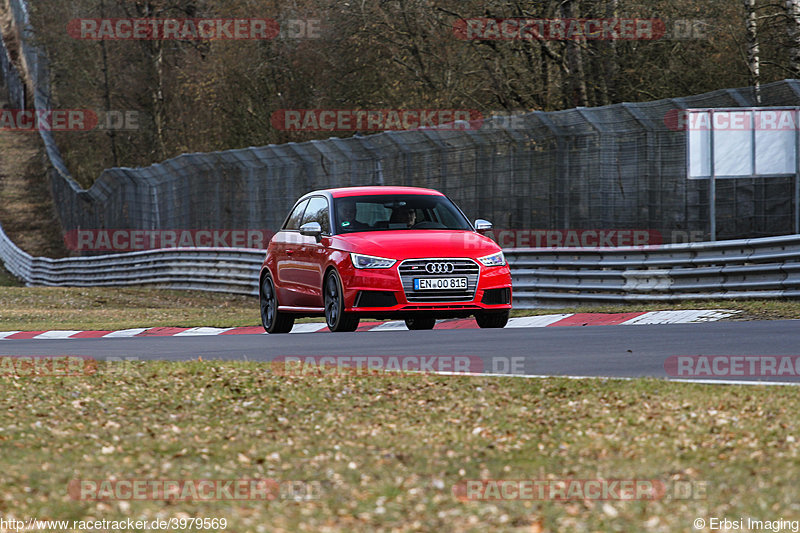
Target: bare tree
(751, 42)
(112, 134)
(608, 79)
(578, 95)
(793, 12)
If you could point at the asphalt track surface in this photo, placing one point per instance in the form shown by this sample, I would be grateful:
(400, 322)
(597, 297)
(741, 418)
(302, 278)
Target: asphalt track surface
(601, 351)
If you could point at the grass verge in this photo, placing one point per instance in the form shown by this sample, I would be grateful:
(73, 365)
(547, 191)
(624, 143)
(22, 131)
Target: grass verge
(84, 308)
(102, 308)
(387, 451)
(7, 279)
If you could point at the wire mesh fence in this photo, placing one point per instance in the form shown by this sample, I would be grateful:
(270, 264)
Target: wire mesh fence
(616, 167)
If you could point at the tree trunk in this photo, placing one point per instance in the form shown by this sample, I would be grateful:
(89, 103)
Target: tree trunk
(155, 57)
(793, 11)
(578, 95)
(609, 52)
(752, 47)
(112, 134)
(159, 109)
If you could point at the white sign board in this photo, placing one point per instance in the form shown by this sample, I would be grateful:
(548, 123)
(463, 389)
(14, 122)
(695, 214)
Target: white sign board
(747, 143)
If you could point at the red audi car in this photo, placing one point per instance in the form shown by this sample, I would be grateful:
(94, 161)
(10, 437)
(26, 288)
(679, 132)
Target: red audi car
(382, 252)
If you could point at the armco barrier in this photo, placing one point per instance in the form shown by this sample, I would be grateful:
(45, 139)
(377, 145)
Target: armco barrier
(748, 268)
(230, 270)
(736, 269)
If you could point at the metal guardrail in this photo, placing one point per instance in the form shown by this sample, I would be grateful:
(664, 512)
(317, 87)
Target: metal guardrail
(229, 270)
(736, 269)
(747, 268)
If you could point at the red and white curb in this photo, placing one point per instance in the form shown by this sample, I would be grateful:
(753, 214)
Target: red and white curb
(541, 321)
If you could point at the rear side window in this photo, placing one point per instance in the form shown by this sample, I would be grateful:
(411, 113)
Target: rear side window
(293, 222)
(317, 211)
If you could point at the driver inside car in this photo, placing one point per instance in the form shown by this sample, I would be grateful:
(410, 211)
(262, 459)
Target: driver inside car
(404, 215)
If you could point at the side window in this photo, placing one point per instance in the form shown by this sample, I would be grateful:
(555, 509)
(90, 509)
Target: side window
(317, 211)
(293, 222)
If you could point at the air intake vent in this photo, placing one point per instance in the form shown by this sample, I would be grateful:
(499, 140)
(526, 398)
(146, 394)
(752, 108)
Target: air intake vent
(496, 296)
(375, 299)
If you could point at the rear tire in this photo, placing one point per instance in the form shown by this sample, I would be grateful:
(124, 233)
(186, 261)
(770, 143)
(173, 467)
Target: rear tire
(422, 322)
(335, 315)
(492, 320)
(273, 320)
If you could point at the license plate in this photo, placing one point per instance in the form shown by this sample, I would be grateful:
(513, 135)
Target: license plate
(424, 284)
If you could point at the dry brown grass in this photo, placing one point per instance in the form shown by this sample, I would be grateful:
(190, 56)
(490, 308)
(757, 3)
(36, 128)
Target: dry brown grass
(27, 212)
(387, 452)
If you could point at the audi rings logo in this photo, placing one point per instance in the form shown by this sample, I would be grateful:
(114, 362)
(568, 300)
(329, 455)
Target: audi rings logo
(439, 268)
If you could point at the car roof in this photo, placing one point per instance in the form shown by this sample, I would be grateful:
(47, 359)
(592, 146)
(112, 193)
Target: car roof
(377, 190)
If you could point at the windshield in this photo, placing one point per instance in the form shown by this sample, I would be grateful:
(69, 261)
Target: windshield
(397, 212)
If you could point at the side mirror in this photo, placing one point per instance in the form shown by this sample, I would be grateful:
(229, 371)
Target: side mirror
(482, 225)
(311, 229)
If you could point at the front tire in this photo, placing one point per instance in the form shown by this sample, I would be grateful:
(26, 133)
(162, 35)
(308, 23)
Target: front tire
(273, 320)
(492, 320)
(335, 315)
(422, 322)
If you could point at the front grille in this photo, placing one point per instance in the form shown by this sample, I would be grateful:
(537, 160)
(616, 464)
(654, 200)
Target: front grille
(415, 268)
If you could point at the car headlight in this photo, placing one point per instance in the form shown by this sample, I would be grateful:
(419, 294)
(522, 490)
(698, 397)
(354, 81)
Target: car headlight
(494, 260)
(369, 261)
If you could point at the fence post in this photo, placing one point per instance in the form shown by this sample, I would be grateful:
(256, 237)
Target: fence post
(712, 184)
(796, 172)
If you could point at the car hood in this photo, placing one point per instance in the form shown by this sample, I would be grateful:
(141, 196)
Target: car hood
(411, 244)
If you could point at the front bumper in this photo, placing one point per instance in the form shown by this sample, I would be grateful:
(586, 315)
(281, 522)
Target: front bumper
(380, 293)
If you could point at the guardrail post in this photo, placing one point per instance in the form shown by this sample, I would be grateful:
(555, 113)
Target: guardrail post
(796, 172)
(712, 184)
